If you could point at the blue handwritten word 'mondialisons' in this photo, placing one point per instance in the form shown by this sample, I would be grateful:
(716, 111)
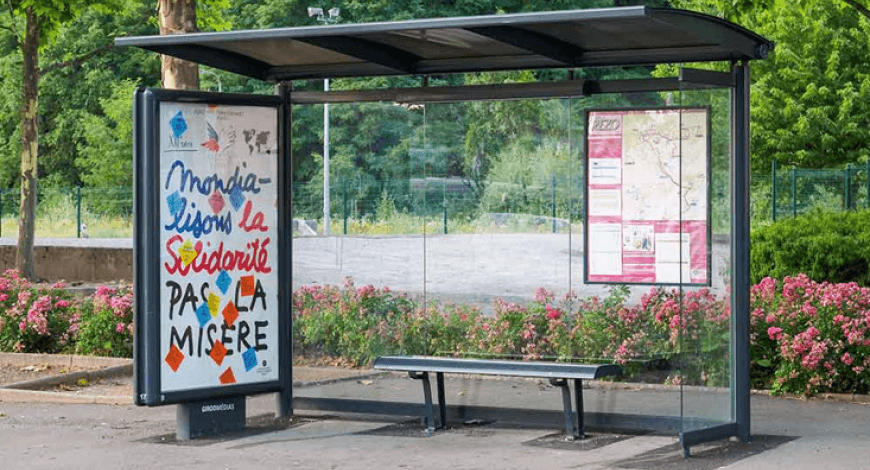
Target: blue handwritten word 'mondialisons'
(188, 181)
(197, 224)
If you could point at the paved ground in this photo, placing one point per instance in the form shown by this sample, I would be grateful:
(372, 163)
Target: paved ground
(788, 434)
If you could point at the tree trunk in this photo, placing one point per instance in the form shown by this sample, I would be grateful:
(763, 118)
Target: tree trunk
(178, 17)
(29, 145)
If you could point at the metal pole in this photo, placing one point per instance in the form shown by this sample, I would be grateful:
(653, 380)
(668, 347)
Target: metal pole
(326, 162)
(78, 212)
(740, 177)
(553, 200)
(773, 166)
(445, 216)
(847, 187)
(344, 202)
(793, 193)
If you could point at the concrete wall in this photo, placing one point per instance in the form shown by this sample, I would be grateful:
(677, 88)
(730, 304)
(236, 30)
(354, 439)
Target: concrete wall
(76, 260)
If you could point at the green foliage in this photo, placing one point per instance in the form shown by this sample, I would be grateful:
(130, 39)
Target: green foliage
(105, 153)
(834, 247)
(810, 98)
(526, 178)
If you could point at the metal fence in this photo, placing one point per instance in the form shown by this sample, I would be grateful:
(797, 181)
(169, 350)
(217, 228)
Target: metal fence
(106, 212)
(72, 212)
(449, 201)
(788, 192)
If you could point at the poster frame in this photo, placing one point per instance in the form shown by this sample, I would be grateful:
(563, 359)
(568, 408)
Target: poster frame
(147, 355)
(708, 109)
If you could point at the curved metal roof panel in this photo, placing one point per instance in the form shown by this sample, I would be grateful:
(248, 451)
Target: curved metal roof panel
(563, 39)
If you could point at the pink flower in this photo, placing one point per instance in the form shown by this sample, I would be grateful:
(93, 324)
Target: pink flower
(119, 328)
(553, 313)
(774, 332)
(847, 359)
(542, 295)
(61, 304)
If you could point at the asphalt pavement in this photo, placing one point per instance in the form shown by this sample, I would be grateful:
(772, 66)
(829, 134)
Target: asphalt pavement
(787, 434)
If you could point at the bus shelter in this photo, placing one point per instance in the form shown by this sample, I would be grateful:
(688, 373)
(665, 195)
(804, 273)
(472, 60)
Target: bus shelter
(614, 229)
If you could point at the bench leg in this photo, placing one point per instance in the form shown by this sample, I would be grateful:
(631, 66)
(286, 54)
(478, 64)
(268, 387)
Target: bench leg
(570, 430)
(427, 397)
(442, 404)
(578, 400)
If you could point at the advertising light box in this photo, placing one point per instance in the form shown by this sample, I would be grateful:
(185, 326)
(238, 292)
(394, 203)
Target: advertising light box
(212, 327)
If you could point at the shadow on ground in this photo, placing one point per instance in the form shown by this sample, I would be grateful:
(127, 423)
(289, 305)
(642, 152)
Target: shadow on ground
(254, 426)
(707, 456)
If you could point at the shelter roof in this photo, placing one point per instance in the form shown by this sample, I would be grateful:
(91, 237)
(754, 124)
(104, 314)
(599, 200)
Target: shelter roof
(564, 39)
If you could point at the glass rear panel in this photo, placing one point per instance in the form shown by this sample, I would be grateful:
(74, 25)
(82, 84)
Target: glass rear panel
(477, 230)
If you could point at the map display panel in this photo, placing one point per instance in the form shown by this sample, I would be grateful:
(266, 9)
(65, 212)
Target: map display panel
(647, 174)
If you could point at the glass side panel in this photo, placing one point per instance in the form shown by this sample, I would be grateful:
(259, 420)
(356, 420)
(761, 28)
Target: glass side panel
(704, 311)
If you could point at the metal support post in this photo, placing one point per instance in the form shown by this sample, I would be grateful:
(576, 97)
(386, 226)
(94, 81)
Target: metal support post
(285, 263)
(740, 177)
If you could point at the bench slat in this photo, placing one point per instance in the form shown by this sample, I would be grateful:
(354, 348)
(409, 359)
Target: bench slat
(538, 369)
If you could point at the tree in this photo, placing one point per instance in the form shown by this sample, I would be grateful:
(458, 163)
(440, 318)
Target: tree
(811, 97)
(41, 20)
(178, 17)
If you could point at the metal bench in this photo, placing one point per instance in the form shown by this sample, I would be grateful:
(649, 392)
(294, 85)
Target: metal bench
(419, 367)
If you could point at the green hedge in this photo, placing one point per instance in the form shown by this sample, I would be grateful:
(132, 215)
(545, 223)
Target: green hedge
(828, 246)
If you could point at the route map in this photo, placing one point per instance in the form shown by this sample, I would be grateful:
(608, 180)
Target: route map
(647, 177)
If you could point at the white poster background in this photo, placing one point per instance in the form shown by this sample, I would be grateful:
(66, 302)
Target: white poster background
(216, 163)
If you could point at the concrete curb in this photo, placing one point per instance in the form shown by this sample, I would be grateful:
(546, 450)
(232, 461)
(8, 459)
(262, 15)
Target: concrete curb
(68, 360)
(8, 395)
(72, 377)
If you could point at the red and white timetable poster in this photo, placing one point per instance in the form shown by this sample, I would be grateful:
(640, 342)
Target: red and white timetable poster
(647, 176)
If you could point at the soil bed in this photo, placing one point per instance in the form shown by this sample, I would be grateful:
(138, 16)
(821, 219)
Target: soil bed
(12, 373)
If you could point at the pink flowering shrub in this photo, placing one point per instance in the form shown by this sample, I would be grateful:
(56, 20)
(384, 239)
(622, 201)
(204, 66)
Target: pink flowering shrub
(34, 320)
(810, 337)
(105, 323)
(358, 324)
(362, 323)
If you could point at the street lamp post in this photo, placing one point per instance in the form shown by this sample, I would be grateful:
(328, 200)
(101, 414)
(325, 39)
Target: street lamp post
(331, 17)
